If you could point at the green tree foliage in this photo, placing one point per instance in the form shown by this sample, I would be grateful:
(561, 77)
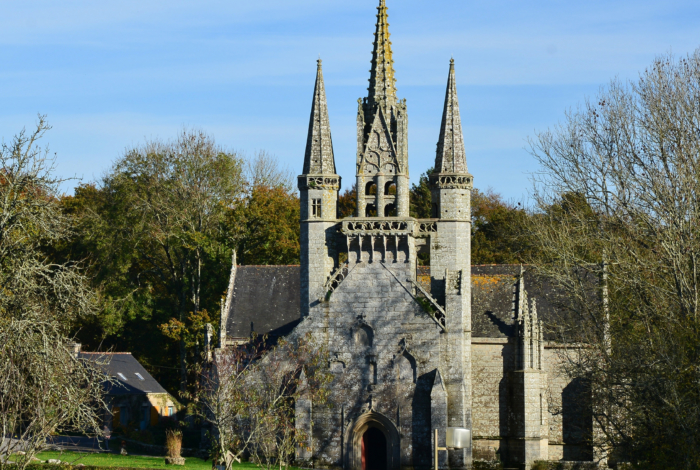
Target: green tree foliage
(266, 227)
(154, 232)
(618, 203)
(158, 233)
(347, 202)
(497, 235)
(419, 197)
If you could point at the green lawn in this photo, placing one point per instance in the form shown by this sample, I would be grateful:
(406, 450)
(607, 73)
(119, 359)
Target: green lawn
(131, 461)
(134, 461)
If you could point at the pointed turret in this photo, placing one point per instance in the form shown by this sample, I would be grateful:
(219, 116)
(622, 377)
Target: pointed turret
(319, 159)
(382, 84)
(318, 195)
(450, 182)
(451, 157)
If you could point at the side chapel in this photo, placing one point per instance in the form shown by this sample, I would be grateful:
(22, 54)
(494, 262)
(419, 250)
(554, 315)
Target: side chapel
(413, 348)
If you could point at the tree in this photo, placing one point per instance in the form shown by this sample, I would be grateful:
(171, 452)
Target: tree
(249, 398)
(347, 203)
(44, 387)
(267, 227)
(160, 222)
(420, 198)
(497, 235)
(618, 198)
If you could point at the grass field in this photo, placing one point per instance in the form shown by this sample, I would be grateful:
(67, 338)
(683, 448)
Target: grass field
(134, 461)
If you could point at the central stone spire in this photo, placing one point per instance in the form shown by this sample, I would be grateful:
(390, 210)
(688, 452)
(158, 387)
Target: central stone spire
(382, 135)
(382, 84)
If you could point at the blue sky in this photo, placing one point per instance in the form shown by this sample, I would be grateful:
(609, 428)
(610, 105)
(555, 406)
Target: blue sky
(110, 75)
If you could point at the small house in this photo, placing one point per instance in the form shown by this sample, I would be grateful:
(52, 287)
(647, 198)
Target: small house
(135, 399)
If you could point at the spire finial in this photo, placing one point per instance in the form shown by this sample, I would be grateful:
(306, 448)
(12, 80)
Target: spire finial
(319, 159)
(451, 157)
(381, 81)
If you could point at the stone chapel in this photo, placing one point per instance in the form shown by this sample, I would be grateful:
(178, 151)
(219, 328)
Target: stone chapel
(413, 348)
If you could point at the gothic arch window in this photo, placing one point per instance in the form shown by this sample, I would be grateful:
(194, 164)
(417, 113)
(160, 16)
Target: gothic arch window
(364, 337)
(406, 368)
(390, 188)
(371, 210)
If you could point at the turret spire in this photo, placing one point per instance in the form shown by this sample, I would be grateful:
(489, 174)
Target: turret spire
(382, 84)
(319, 159)
(451, 157)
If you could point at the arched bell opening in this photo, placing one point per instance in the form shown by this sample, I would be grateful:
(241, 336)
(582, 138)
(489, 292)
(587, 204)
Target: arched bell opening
(390, 188)
(390, 210)
(371, 210)
(371, 188)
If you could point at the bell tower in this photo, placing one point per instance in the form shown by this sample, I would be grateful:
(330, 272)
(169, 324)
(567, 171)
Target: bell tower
(382, 141)
(318, 189)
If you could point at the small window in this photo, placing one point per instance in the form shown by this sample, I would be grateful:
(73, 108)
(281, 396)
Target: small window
(121, 376)
(316, 208)
(171, 411)
(139, 376)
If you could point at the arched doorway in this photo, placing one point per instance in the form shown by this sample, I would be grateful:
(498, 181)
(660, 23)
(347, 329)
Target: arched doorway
(373, 450)
(366, 437)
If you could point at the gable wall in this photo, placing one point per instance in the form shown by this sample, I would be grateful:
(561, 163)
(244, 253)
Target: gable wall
(375, 297)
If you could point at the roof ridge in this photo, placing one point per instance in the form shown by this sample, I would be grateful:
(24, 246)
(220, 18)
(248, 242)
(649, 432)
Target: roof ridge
(93, 352)
(267, 265)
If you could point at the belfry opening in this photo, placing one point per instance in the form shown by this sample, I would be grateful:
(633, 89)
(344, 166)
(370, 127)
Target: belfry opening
(374, 450)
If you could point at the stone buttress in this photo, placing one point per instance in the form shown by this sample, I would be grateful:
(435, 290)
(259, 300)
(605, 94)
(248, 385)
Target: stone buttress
(318, 188)
(529, 435)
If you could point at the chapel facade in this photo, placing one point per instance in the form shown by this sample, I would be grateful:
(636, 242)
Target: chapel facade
(413, 348)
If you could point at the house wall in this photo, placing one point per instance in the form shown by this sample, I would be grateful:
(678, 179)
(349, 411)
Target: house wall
(157, 406)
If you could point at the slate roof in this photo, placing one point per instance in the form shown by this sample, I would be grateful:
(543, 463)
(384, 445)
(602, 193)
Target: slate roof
(266, 300)
(124, 367)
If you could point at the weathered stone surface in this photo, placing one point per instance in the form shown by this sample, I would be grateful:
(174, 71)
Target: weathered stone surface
(412, 348)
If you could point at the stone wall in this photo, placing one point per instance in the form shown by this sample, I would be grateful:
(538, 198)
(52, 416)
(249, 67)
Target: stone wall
(383, 348)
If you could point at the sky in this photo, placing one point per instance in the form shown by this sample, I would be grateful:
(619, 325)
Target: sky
(112, 75)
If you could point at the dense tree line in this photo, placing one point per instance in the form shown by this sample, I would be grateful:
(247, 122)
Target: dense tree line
(157, 234)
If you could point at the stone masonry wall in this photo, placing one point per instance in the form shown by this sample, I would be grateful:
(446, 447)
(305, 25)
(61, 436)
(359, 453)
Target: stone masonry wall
(384, 354)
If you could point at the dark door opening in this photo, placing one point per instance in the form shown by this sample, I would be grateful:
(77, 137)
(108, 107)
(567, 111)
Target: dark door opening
(373, 450)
